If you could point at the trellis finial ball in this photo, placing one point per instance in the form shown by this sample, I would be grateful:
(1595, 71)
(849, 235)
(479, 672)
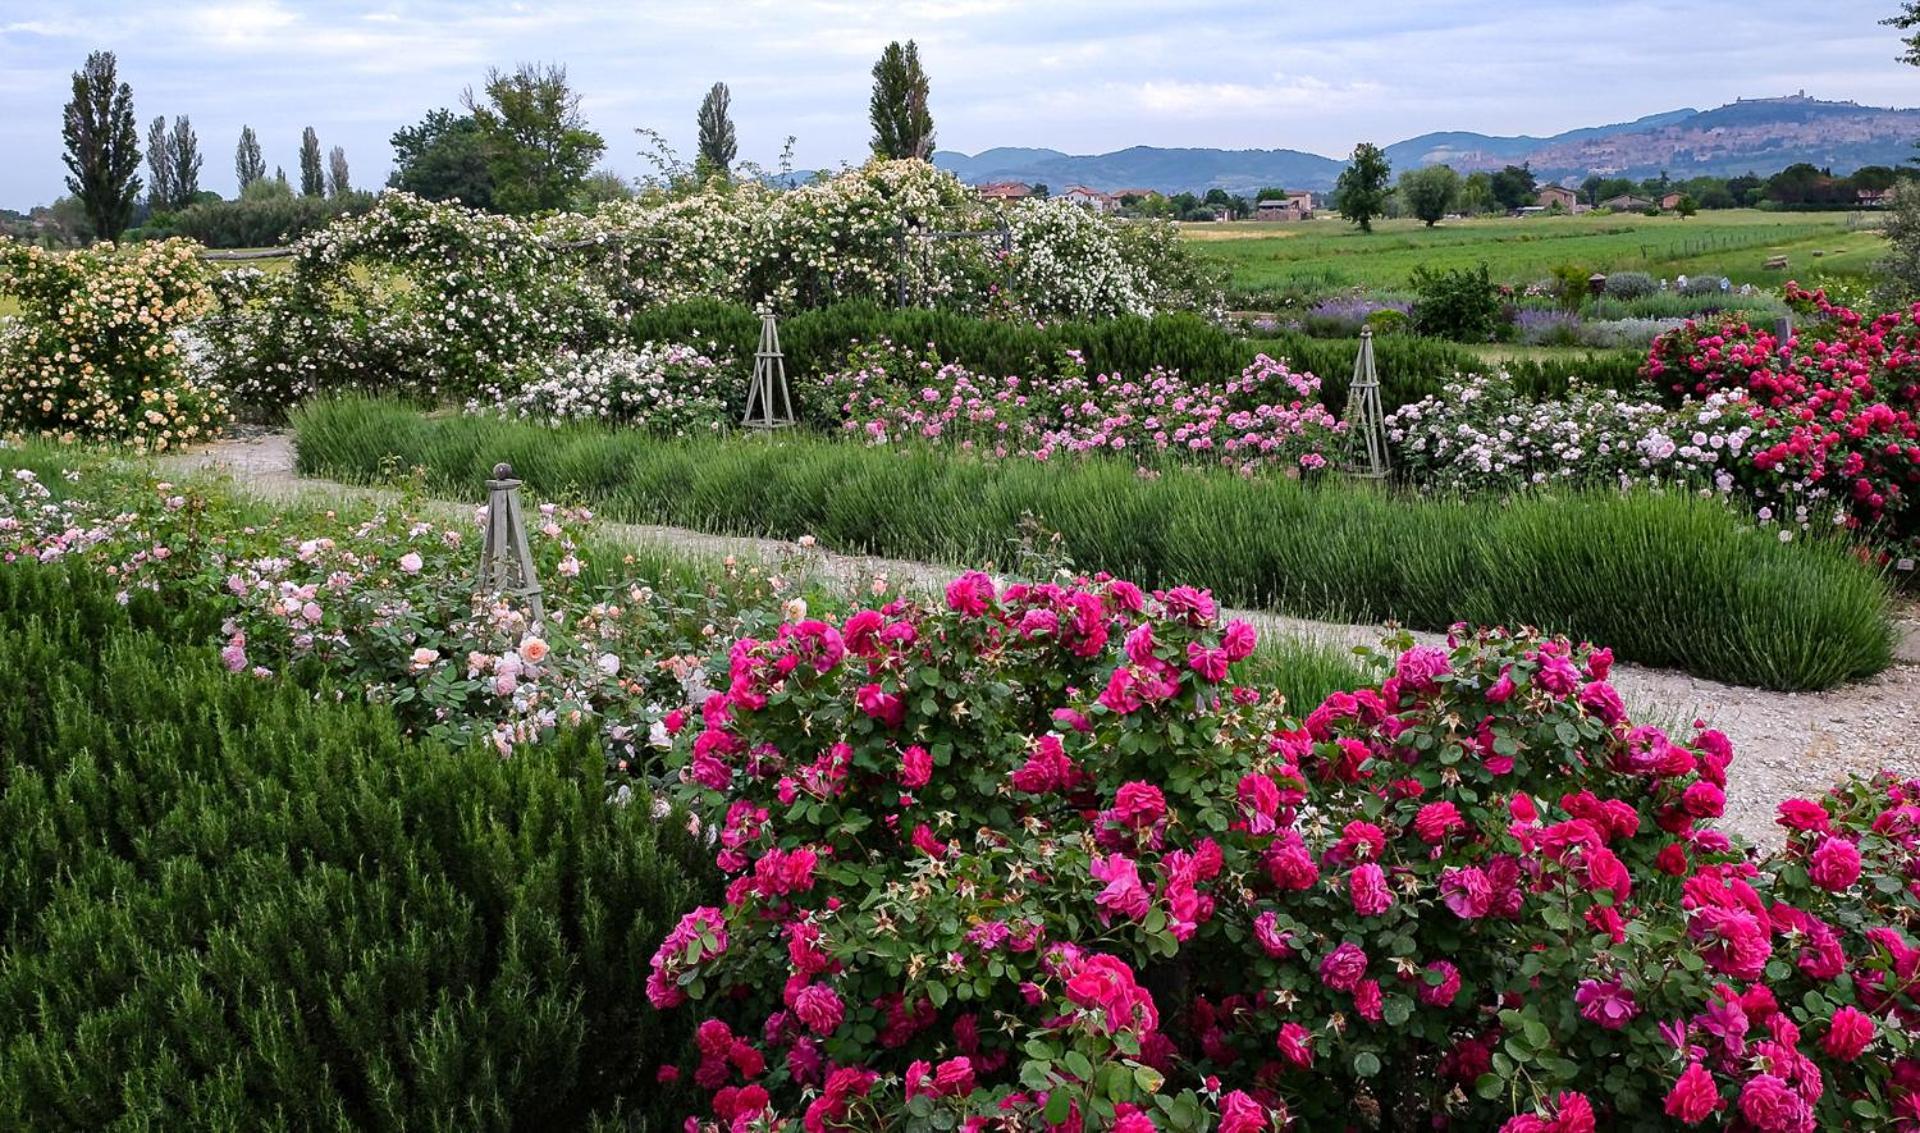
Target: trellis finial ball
(503, 471)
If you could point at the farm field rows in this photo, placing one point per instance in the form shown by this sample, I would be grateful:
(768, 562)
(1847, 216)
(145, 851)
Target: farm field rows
(1328, 253)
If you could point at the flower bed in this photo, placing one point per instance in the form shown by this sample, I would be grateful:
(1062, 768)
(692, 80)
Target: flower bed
(1482, 434)
(385, 605)
(1269, 415)
(1837, 410)
(1033, 858)
(1665, 580)
(671, 390)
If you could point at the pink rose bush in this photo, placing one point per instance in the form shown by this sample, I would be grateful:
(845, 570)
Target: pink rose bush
(1011, 860)
(1836, 409)
(1268, 416)
(384, 601)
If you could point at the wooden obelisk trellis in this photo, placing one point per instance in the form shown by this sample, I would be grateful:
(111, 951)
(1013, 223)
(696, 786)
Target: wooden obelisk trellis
(506, 565)
(1366, 424)
(769, 405)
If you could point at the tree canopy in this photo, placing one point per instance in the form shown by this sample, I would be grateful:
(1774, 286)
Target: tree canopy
(1362, 187)
(537, 144)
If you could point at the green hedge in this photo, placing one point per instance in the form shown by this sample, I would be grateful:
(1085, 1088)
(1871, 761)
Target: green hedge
(1411, 368)
(1665, 580)
(233, 904)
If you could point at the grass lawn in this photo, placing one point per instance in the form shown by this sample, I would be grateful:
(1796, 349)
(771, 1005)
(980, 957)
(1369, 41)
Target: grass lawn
(1329, 253)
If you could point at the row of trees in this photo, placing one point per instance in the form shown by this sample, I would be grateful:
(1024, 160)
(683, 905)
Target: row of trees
(523, 146)
(103, 156)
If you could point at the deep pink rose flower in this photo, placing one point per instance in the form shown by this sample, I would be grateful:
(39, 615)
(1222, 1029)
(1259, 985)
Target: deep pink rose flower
(1834, 865)
(1367, 886)
(916, 767)
(1848, 1034)
(1772, 1106)
(1695, 1097)
(1343, 968)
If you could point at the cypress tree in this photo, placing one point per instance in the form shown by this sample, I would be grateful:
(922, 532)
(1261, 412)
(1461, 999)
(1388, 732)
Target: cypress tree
(186, 162)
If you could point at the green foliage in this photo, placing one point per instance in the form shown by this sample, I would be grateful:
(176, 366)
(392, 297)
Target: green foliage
(1456, 304)
(443, 159)
(1665, 580)
(538, 147)
(902, 122)
(103, 147)
(1430, 193)
(236, 904)
(263, 219)
(1361, 192)
(1514, 187)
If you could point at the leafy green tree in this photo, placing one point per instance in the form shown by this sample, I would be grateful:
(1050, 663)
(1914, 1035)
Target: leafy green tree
(1476, 194)
(161, 191)
(718, 145)
(1908, 20)
(537, 143)
(313, 178)
(1430, 193)
(1686, 206)
(248, 165)
(443, 159)
(1270, 193)
(1746, 189)
(103, 146)
(902, 123)
(1040, 191)
(1361, 191)
(186, 162)
(339, 179)
(1515, 187)
(601, 186)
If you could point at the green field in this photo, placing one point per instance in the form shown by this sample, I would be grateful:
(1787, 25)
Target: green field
(1328, 253)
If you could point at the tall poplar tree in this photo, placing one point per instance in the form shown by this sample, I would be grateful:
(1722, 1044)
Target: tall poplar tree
(103, 146)
(902, 122)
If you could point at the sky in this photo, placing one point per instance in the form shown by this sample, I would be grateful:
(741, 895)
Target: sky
(1083, 77)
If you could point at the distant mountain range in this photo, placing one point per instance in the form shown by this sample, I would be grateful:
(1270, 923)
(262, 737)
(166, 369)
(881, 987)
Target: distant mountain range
(1760, 135)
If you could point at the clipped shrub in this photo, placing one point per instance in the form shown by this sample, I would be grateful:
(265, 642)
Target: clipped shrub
(263, 222)
(233, 903)
(1666, 580)
(1630, 285)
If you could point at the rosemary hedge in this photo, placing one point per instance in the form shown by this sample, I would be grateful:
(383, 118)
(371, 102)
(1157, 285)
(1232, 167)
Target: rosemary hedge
(238, 904)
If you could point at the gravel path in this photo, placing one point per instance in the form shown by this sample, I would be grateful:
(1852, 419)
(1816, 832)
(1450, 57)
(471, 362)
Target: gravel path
(1785, 744)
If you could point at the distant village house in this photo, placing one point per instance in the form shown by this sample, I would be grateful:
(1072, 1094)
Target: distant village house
(1006, 191)
(1627, 202)
(1091, 198)
(1565, 198)
(1294, 206)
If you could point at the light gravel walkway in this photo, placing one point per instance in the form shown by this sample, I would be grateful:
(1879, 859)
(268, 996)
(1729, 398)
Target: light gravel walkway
(1785, 744)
